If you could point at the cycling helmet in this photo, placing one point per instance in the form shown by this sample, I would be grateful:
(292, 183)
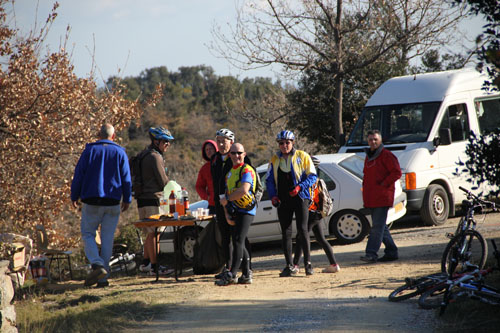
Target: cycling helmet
(315, 160)
(224, 132)
(285, 135)
(160, 133)
(246, 202)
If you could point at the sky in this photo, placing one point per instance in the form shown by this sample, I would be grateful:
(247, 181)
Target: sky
(129, 36)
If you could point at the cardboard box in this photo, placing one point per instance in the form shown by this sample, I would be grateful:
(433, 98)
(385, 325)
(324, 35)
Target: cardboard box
(19, 255)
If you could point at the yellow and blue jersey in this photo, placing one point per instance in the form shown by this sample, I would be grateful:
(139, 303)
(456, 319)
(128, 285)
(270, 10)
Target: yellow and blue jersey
(301, 167)
(233, 182)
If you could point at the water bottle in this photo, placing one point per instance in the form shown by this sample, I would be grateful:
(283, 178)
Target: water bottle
(171, 202)
(185, 199)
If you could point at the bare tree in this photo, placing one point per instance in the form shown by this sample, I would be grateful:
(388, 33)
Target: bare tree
(334, 36)
(47, 115)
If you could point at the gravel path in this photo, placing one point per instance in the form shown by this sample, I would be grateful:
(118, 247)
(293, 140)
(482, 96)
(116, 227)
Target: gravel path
(352, 300)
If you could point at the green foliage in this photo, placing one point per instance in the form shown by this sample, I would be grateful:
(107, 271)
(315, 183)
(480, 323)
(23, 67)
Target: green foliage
(489, 41)
(312, 104)
(195, 104)
(432, 61)
(484, 158)
(128, 235)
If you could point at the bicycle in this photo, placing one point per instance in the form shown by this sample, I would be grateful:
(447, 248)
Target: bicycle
(414, 287)
(469, 285)
(466, 245)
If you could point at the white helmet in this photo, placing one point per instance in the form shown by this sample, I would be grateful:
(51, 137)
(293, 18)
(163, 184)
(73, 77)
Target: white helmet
(224, 132)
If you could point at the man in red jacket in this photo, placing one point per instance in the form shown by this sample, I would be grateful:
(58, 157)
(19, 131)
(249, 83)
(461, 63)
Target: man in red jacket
(381, 171)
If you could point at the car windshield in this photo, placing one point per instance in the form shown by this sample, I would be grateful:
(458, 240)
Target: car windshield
(354, 164)
(401, 123)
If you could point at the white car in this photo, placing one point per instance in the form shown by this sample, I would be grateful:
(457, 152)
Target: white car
(349, 223)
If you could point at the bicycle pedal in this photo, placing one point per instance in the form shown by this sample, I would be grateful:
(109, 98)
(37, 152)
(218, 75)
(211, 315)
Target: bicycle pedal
(450, 235)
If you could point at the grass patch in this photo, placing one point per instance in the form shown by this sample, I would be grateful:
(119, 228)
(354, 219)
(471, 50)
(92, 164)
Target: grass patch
(89, 309)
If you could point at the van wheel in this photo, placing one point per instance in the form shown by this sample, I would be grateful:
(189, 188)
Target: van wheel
(349, 226)
(188, 241)
(435, 207)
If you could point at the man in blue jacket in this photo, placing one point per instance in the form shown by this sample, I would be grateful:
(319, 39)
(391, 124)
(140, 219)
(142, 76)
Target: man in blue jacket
(101, 180)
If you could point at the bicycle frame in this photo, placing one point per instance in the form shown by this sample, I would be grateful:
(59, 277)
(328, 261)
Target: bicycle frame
(459, 249)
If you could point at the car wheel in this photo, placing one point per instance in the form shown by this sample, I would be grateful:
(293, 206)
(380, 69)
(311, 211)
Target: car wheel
(188, 241)
(349, 226)
(435, 207)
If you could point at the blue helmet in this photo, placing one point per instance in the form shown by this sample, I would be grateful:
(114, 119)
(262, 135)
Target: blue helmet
(160, 133)
(285, 135)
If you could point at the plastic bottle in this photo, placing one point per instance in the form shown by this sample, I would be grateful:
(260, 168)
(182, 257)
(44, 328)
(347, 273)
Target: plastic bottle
(171, 202)
(185, 199)
(163, 206)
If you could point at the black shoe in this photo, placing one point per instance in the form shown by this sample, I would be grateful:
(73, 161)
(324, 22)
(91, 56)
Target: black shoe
(309, 269)
(102, 284)
(227, 280)
(98, 273)
(387, 258)
(368, 259)
(221, 274)
(289, 271)
(245, 279)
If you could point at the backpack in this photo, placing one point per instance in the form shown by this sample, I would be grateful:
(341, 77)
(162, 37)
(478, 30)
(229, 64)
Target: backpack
(136, 172)
(325, 199)
(259, 189)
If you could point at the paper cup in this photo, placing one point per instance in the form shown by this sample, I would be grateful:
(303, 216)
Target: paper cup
(176, 216)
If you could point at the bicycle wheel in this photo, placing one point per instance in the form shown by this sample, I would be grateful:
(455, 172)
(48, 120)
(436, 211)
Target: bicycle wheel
(414, 287)
(433, 297)
(469, 246)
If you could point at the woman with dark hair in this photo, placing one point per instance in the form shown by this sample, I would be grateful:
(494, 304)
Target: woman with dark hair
(204, 183)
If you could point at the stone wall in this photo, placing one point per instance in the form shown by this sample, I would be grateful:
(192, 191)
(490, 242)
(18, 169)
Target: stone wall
(7, 310)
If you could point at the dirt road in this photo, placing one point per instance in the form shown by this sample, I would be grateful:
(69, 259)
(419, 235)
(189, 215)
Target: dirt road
(354, 299)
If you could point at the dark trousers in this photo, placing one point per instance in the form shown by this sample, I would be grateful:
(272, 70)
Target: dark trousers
(225, 232)
(285, 214)
(314, 224)
(241, 255)
(379, 233)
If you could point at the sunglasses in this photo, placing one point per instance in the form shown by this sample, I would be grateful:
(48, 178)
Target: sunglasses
(237, 153)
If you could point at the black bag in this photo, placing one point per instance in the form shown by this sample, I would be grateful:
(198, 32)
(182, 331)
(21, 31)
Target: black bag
(208, 254)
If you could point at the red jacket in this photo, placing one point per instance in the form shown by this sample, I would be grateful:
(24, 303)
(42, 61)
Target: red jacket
(380, 173)
(204, 183)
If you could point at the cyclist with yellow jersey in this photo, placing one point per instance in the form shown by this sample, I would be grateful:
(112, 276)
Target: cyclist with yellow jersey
(290, 177)
(240, 207)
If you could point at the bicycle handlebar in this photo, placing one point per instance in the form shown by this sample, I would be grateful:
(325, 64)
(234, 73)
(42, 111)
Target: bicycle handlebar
(475, 198)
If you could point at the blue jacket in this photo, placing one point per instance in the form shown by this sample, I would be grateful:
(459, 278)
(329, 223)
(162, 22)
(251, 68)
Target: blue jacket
(102, 172)
(302, 168)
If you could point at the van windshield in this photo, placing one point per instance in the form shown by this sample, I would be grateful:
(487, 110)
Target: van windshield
(401, 123)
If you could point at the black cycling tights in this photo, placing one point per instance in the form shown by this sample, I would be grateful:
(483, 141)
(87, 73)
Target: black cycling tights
(241, 256)
(285, 214)
(317, 228)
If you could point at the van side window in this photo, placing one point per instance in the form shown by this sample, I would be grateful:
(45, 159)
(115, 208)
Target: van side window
(457, 120)
(488, 111)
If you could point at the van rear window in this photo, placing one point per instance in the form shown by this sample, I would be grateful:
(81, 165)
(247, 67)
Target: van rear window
(488, 114)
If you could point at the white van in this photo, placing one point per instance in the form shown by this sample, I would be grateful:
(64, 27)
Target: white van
(425, 120)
